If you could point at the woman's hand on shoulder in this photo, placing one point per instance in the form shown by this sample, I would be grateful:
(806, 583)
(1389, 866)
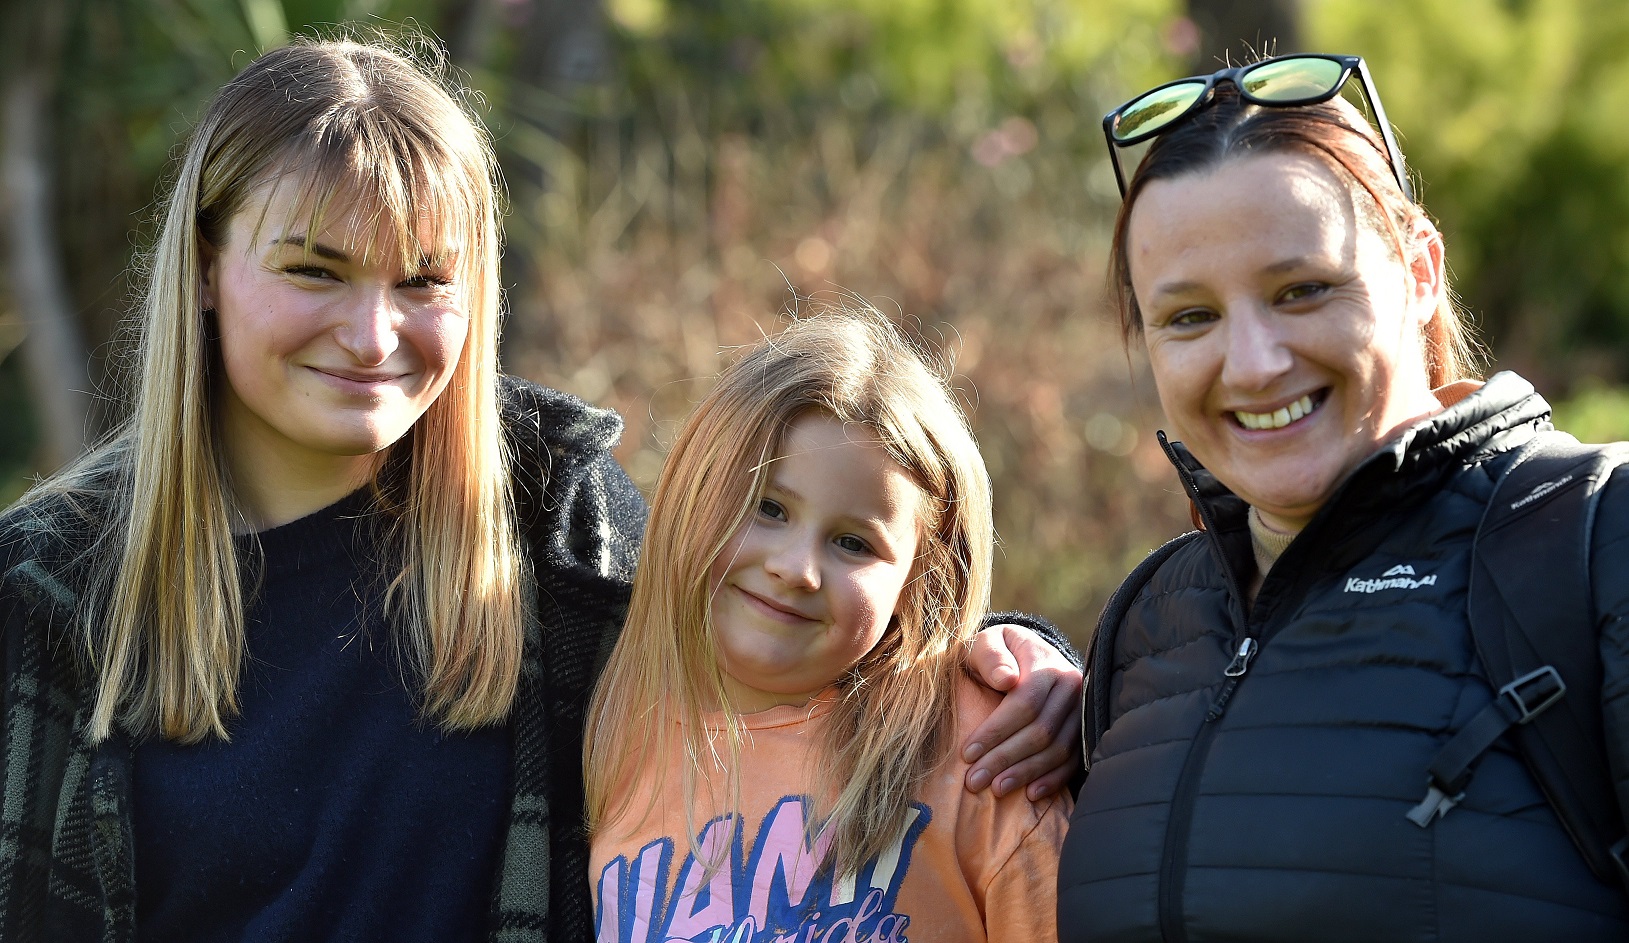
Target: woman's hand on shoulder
(1033, 738)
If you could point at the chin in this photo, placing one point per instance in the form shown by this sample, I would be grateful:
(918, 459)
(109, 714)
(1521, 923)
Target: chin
(1290, 495)
(357, 443)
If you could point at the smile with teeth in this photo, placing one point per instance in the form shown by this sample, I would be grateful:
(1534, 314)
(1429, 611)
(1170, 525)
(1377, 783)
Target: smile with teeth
(1281, 417)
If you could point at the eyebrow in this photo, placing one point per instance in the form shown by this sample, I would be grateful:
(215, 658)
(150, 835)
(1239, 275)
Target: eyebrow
(771, 483)
(337, 255)
(316, 248)
(1175, 288)
(1277, 268)
(1288, 265)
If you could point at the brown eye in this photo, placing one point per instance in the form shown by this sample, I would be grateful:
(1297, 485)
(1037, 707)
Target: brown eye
(1303, 291)
(1192, 317)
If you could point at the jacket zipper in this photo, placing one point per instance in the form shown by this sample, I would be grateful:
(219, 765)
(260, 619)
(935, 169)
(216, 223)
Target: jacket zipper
(1234, 673)
(1174, 861)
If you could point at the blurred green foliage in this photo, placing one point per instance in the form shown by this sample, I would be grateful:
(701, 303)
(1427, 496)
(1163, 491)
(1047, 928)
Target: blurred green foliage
(943, 157)
(940, 55)
(1511, 112)
(1595, 413)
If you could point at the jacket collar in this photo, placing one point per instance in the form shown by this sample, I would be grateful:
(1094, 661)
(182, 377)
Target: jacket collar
(1500, 416)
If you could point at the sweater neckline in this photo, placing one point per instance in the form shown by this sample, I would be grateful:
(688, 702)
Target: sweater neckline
(781, 715)
(318, 538)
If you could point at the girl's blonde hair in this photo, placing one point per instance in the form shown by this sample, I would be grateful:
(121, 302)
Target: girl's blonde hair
(163, 616)
(893, 721)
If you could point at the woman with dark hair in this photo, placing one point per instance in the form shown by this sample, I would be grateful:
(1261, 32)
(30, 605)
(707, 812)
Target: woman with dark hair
(1269, 695)
(302, 651)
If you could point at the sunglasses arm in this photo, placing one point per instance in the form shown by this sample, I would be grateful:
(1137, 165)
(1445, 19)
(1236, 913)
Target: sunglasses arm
(1114, 152)
(1384, 123)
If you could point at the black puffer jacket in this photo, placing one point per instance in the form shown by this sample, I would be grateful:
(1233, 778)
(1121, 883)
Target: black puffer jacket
(1271, 806)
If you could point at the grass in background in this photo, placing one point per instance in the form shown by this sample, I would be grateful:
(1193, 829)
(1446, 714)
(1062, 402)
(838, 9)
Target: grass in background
(1595, 413)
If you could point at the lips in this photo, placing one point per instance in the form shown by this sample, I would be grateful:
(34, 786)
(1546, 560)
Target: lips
(358, 383)
(769, 607)
(356, 376)
(1284, 415)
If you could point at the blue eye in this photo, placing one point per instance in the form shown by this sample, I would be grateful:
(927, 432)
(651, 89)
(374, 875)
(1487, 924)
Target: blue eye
(853, 544)
(771, 509)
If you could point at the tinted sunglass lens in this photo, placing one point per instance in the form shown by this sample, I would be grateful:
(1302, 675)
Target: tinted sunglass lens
(1155, 110)
(1292, 80)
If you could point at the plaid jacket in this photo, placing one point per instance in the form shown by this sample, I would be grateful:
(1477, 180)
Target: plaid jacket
(66, 866)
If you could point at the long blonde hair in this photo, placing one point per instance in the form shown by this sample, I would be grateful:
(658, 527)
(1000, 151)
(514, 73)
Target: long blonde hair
(893, 721)
(162, 618)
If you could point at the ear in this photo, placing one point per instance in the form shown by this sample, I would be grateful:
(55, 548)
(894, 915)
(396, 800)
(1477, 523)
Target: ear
(208, 272)
(1426, 279)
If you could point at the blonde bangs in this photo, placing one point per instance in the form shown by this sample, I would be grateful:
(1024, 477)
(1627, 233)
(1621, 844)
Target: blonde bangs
(399, 184)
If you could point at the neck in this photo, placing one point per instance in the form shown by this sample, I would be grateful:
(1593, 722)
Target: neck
(272, 486)
(1271, 534)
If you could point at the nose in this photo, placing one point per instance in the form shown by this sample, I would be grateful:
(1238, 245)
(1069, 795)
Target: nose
(368, 330)
(1257, 352)
(793, 560)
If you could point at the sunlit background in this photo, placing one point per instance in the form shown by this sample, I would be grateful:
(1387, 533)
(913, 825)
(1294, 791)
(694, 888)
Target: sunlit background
(682, 172)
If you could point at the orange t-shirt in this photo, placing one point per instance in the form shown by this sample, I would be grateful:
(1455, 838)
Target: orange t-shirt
(970, 867)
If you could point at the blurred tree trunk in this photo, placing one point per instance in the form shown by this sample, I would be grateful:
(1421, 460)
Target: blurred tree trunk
(565, 46)
(54, 355)
(563, 50)
(1230, 29)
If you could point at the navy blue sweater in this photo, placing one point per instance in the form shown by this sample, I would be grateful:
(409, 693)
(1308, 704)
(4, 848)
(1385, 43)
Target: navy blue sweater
(335, 812)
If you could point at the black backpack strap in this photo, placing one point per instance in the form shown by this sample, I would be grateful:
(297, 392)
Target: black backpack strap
(1532, 619)
(1095, 719)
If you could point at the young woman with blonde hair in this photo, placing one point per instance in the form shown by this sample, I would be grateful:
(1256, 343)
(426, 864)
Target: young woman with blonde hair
(297, 652)
(769, 748)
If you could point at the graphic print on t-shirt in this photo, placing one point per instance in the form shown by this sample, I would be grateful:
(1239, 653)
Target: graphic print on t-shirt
(774, 893)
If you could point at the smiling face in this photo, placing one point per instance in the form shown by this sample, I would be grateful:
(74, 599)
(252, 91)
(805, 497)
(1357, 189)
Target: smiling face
(1284, 334)
(331, 355)
(807, 585)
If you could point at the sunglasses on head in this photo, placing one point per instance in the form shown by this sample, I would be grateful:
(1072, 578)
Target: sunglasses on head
(1279, 82)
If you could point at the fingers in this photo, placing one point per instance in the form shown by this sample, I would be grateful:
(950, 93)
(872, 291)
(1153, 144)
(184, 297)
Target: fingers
(1054, 782)
(1014, 716)
(1032, 738)
(1030, 746)
(1040, 775)
(993, 660)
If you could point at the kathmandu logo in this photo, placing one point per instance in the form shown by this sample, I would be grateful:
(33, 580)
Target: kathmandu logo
(1401, 576)
(1539, 492)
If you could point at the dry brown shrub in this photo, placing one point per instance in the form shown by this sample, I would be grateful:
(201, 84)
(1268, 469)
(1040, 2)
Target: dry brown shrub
(650, 258)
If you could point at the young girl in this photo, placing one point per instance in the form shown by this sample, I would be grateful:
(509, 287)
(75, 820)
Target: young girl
(769, 749)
